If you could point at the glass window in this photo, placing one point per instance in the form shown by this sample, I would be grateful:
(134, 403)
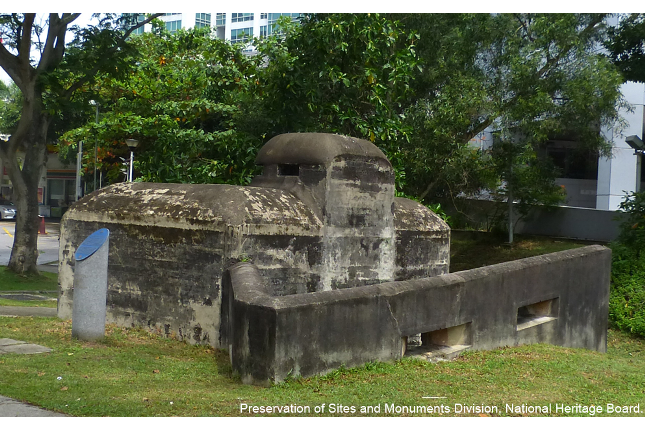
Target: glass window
(241, 34)
(263, 15)
(220, 19)
(173, 26)
(202, 20)
(263, 30)
(241, 17)
(132, 19)
(56, 189)
(274, 17)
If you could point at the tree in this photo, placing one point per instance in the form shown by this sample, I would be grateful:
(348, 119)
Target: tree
(185, 102)
(48, 87)
(421, 86)
(626, 48)
(528, 77)
(341, 73)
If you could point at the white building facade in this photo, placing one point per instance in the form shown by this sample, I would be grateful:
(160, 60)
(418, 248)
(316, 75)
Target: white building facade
(621, 174)
(233, 26)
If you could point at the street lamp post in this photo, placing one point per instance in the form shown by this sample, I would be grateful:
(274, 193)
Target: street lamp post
(639, 149)
(132, 143)
(96, 143)
(79, 164)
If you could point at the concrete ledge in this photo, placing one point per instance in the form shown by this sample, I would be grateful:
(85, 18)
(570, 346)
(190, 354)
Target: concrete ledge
(272, 337)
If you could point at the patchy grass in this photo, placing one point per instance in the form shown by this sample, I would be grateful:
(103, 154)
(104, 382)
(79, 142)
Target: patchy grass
(29, 303)
(135, 373)
(10, 281)
(469, 250)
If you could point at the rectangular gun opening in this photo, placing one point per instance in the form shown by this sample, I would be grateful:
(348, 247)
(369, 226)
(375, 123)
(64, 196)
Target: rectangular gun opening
(537, 313)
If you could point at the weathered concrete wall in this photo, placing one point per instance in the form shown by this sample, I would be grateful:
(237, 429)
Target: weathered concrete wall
(561, 221)
(350, 183)
(272, 337)
(572, 222)
(170, 243)
(358, 233)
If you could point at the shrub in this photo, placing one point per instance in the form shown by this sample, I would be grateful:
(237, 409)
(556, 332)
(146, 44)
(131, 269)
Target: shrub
(627, 294)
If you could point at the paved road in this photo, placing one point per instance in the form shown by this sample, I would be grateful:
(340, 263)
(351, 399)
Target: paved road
(47, 243)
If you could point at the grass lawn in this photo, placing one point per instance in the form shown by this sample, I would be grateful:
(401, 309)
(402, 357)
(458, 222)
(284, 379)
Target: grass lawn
(135, 373)
(9, 281)
(28, 303)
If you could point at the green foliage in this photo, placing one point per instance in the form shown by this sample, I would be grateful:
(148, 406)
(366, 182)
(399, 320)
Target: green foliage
(181, 102)
(10, 104)
(420, 86)
(632, 222)
(350, 74)
(531, 78)
(625, 46)
(627, 296)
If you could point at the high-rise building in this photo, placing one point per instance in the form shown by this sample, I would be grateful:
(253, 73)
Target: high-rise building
(236, 27)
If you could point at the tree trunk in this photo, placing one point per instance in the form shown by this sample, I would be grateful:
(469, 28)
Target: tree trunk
(24, 254)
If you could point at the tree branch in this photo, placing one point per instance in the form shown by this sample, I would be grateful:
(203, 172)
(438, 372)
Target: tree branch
(523, 24)
(106, 58)
(24, 42)
(554, 60)
(11, 65)
(55, 44)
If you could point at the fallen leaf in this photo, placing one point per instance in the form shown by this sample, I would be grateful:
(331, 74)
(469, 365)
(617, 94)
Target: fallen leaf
(41, 373)
(70, 353)
(145, 399)
(64, 389)
(483, 415)
(155, 371)
(85, 376)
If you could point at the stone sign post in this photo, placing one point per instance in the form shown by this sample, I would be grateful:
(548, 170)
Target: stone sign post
(90, 286)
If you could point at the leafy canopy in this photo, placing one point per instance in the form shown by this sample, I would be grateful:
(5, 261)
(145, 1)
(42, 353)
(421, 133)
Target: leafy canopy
(180, 102)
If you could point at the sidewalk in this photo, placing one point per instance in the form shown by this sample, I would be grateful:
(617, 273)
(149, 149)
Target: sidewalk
(13, 408)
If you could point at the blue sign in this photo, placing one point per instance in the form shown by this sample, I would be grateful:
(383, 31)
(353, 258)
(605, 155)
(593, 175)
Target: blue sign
(90, 245)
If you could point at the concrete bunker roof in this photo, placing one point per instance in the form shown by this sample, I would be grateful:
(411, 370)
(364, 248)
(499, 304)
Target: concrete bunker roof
(314, 148)
(197, 204)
